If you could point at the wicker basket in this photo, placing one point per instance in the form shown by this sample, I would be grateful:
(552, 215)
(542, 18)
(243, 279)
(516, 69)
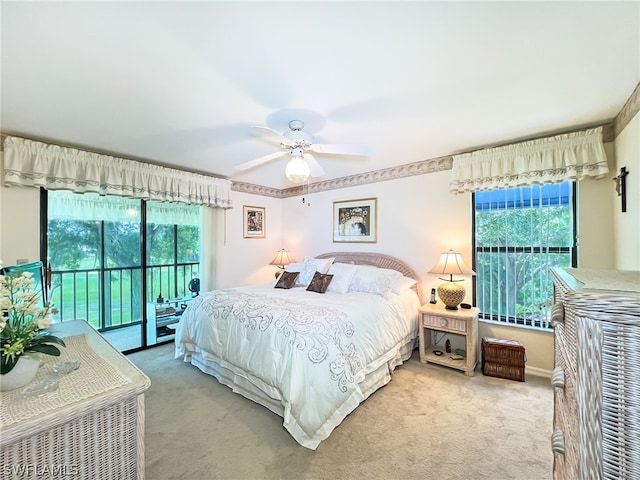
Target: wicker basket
(503, 359)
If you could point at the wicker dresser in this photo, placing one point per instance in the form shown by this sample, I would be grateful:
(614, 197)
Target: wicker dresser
(91, 427)
(596, 319)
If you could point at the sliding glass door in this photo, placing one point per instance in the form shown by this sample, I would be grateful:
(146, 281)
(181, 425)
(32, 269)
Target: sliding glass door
(172, 245)
(116, 271)
(94, 250)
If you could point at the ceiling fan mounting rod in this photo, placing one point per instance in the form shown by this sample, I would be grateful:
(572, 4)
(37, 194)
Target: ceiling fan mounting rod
(298, 137)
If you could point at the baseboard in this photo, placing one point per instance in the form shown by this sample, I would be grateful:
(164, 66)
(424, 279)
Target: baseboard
(538, 372)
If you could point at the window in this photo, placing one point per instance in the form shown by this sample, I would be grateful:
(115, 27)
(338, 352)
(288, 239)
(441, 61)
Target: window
(172, 249)
(519, 234)
(95, 248)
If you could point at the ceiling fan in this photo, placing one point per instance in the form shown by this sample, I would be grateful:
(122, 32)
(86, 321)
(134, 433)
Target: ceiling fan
(297, 143)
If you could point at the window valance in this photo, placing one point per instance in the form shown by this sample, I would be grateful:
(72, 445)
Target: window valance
(91, 206)
(572, 156)
(67, 205)
(35, 164)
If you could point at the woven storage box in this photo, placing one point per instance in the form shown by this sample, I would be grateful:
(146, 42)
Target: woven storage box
(503, 358)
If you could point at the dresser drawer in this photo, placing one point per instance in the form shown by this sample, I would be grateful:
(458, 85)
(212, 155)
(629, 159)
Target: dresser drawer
(565, 343)
(559, 467)
(570, 338)
(596, 394)
(566, 415)
(451, 324)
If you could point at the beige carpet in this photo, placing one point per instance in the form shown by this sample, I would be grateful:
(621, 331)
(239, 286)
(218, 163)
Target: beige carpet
(430, 422)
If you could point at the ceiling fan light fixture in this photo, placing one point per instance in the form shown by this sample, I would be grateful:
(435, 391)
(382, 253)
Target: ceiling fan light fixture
(298, 143)
(297, 170)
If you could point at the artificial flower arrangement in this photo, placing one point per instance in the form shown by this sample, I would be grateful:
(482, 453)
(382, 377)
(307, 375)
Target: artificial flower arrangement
(23, 323)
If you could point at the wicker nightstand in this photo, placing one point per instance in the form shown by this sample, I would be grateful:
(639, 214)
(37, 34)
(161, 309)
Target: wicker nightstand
(464, 322)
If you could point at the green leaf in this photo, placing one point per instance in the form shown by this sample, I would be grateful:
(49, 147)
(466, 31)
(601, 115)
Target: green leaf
(49, 339)
(46, 349)
(7, 364)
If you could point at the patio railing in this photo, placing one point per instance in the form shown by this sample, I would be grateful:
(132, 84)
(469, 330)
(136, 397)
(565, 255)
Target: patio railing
(112, 297)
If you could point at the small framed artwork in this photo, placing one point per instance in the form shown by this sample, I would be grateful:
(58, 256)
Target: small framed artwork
(254, 222)
(355, 221)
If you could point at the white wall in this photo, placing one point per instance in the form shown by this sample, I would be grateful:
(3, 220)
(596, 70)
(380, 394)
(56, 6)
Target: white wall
(596, 248)
(417, 220)
(627, 225)
(245, 261)
(240, 261)
(19, 223)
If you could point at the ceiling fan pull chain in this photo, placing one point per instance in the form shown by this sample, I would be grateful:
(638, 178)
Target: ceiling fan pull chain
(303, 185)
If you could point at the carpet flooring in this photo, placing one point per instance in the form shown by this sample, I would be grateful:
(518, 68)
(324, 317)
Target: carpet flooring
(429, 422)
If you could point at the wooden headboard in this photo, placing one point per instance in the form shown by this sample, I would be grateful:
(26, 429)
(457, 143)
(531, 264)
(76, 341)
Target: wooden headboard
(379, 260)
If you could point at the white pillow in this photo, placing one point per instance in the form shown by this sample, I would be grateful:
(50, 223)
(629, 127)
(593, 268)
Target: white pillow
(403, 284)
(294, 267)
(378, 281)
(323, 264)
(309, 267)
(342, 273)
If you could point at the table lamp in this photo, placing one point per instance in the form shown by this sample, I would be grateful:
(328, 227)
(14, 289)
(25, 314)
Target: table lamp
(451, 293)
(282, 260)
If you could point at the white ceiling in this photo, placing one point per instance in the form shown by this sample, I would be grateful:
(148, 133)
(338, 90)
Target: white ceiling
(181, 83)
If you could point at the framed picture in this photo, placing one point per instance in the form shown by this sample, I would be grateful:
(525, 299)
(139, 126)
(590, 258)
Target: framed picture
(254, 222)
(355, 221)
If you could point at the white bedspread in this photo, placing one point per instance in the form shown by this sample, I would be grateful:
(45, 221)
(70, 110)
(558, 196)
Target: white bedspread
(309, 351)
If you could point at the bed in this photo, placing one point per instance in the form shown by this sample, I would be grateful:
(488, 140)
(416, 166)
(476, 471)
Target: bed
(313, 352)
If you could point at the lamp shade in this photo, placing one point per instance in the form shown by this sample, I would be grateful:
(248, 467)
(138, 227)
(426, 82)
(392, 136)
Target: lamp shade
(451, 264)
(283, 258)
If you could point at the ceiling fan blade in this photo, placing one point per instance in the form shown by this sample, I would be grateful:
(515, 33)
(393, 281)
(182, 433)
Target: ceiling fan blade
(341, 149)
(261, 160)
(315, 170)
(273, 135)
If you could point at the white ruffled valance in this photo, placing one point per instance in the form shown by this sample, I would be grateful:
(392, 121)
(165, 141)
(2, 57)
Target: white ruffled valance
(173, 213)
(35, 164)
(572, 156)
(67, 205)
(91, 206)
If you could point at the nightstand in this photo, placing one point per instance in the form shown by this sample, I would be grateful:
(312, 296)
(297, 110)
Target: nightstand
(462, 322)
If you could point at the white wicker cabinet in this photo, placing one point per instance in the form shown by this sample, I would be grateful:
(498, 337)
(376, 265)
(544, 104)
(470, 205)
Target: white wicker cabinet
(463, 322)
(91, 427)
(596, 379)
